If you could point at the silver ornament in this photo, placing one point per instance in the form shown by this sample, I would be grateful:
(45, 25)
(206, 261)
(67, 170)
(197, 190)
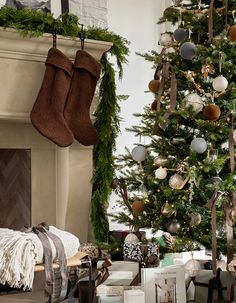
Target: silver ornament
(215, 179)
(198, 145)
(178, 140)
(173, 226)
(180, 34)
(139, 153)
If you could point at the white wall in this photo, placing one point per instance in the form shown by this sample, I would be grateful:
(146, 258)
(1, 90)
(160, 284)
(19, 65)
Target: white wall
(136, 21)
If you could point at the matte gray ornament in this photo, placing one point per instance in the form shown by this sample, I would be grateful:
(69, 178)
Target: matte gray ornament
(215, 179)
(188, 50)
(180, 34)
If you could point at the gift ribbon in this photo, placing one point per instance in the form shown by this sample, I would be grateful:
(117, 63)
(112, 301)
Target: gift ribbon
(167, 70)
(228, 222)
(210, 21)
(230, 118)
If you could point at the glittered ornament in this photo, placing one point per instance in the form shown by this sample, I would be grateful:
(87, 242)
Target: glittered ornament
(180, 34)
(168, 210)
(207, 69)
(137, 206)
(161, 173)
(173, 226)
(176, 181)
(166, 40)
(192, 267)
(198, 145)
(194, 101)
(160, 161)
(211, 112)
(220, 83)
(131, 238)
(195, 219)
(188, 50)
(154, 85)
(139, 153)
(232, 33)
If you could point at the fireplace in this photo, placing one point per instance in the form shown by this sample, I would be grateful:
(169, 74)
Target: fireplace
(60, 184)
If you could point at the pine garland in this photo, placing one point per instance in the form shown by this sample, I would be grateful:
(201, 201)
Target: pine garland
(31, 22)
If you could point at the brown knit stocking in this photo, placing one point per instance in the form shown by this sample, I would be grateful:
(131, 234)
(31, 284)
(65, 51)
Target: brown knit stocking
(84, 80)
(47, 112)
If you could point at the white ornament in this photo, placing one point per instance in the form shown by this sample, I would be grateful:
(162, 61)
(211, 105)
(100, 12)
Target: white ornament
(192, 267)
(161, 173)
(199, 145)
(234, 136)
(194, 101)
(166, 40)
(139, 153)
(176, 181)
(220, 83)
(131, 238)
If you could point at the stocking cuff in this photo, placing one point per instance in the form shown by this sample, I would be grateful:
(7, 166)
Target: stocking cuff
(57, 58)
(86, 61)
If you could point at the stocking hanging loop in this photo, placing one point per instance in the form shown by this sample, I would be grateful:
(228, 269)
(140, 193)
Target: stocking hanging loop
(82, 36)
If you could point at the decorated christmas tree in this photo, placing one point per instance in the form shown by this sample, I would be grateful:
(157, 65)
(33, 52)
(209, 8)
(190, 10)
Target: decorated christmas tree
(182, 180)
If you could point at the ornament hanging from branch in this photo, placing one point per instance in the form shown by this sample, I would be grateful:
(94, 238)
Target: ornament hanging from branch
(198, 145)
(139, 153)
(220, 83)
(194, 101)
(212, 112)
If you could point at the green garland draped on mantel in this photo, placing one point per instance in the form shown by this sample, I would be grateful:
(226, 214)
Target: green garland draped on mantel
(31, 22)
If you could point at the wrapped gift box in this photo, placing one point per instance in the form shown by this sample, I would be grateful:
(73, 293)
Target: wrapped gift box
(202, 286)
(134, 296)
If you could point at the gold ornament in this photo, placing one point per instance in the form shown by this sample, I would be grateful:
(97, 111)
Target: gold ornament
(195, 219)
(168, 210)
(160, 161)
(173, 226)
(207, 69)
(169, 240)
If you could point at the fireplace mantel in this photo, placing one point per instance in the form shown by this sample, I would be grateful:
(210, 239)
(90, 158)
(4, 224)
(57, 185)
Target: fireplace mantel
(61, 177)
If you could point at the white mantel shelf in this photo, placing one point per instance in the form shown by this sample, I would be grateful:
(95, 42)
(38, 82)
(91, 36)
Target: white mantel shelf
(22, 68)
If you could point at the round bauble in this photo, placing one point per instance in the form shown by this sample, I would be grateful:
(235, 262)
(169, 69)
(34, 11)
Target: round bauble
(160, 161)
(131, 238)
(195, 219)
(166, 40)
(173, 226)
(198, 145)
(220, 83)
(154, 105)
(211, 112)
(232, 33)
(192, 267)
(215, 179)
(234, 136)
(154, 85)
(137, 206)
(180, 34)
(168, 210)
(161, 173)
(188, 50)
(139, 153)
(194, 101)
(176, 181)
